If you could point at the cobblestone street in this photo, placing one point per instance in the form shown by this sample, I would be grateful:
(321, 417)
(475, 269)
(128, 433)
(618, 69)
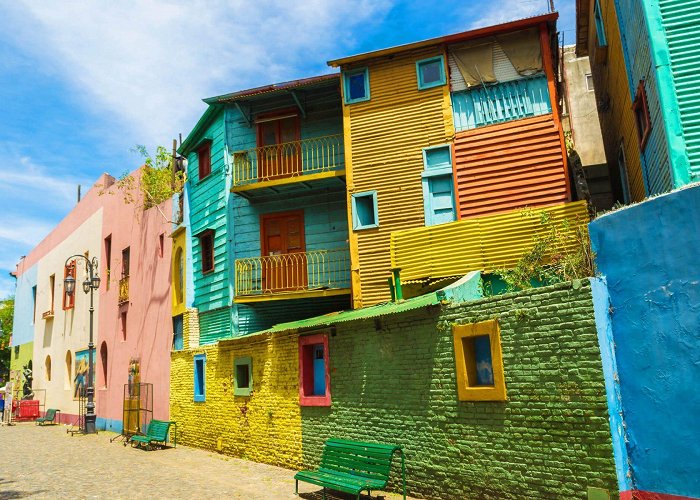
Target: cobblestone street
(45, 462)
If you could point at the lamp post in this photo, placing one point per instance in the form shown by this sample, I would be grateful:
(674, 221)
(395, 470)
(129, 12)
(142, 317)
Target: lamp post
(91, 283)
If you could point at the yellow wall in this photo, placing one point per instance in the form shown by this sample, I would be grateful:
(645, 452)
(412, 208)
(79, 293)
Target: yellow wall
(384, 140)
(265, 427)
(179, 239)
(611, 86)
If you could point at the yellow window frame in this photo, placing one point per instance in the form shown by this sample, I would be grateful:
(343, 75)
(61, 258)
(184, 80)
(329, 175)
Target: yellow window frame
(467, 390)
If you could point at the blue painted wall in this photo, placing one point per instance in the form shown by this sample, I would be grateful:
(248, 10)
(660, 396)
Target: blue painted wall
(649, 256)
(638, 60)
(23, 322)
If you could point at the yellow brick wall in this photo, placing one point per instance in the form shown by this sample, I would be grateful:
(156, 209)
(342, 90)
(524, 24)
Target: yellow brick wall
(265, 427)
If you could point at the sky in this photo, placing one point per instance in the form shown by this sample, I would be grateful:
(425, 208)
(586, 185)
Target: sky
(83, 82)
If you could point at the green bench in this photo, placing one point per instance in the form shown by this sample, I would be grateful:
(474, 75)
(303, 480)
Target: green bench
(353, 467)
(49, 417)
(157, 433)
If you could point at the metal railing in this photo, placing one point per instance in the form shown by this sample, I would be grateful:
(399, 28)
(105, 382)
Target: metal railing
(124, 290)
(288, 159)
(293, 272)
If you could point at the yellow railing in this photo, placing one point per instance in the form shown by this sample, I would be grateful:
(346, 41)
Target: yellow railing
(485, 243)
(293, 272)
(124, 290)
(288, 159)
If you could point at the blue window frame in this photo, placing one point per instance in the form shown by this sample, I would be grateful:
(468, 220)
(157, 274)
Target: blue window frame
(431, 72)
(356, 85)
(365, 214)
(438, 190)
(177, 333)
(200, 389)
(599, 26)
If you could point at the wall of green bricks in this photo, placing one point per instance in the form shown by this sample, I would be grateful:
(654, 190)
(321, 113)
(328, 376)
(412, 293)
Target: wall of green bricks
(393, 380)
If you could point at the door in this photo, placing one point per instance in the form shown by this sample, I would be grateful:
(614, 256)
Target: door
(280, 150)
(283, 247)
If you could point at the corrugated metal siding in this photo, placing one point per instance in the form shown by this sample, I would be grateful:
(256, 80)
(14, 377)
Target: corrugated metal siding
(214, 325)
(615, 103)
(681, 19)
(481, 243)
(515, 164)
(636, 45)
(388, 134)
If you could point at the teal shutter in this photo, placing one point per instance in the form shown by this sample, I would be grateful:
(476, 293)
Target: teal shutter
(440, 200)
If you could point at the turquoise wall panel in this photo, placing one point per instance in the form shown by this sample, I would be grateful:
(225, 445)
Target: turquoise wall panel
(680, 20)
(501, 102)
(23, 322)
(214, 325)
(638, 60)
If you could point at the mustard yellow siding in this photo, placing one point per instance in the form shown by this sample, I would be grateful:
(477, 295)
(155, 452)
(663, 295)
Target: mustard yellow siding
(265, 427)
(178, 303)
(615, 102)
(480, 243)
(384, 141)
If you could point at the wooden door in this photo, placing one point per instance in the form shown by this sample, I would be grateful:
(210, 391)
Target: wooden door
(284, 262)
(280, 153)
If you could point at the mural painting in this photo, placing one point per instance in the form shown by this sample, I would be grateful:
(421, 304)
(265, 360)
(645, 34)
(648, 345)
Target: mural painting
(82, 359)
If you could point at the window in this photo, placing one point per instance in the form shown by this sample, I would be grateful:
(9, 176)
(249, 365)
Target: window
(589, 82)
(47, 367)
(365, 214)
(34, 304)
(278, 136)
(179, 275)
(641, 115)
(431, 72)
(200, 361)
(356, 85)
(438, 188)
(123, 325)
(243, 376)
(314, 371)
(52, 286)
(103, 359)
(178, 340)
(622, 166)
(108, 259)
(126, 262)
(204, 160)
(69, 300)
(206, 249)
(599, 26)
(479, 362)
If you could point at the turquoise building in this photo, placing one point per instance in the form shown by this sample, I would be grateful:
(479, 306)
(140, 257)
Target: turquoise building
(268, 226)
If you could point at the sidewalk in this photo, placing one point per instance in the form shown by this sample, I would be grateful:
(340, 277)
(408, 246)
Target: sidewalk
(45, 462)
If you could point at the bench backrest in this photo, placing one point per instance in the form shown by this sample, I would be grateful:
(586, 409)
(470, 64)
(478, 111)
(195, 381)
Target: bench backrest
(370, 460)
(158, 430)
(50, 414)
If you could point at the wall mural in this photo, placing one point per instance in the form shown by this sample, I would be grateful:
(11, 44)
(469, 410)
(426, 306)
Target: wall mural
(81, 373)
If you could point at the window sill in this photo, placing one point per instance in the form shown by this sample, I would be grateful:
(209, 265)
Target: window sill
(315, 400)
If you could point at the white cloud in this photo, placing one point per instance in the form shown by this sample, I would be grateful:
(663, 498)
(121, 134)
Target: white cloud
(497, 12)
(148, 64)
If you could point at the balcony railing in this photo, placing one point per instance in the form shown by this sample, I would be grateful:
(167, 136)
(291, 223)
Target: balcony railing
(288, 159)
(502, 102)
(124, 290)
(293, 272)
(47, 314)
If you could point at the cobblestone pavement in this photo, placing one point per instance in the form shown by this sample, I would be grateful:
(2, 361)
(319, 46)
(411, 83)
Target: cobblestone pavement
(46, 462)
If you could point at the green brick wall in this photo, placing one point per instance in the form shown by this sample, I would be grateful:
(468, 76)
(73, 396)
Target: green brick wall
(393, 380)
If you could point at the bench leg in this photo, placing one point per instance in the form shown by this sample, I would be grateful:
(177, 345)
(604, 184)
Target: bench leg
(296, 487)
(324, 493)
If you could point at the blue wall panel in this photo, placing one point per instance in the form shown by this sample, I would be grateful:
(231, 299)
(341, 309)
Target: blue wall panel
(649, 256)
(23, 323)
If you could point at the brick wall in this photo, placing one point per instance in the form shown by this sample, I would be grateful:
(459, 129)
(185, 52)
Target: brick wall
(393, 380)
(265, 427)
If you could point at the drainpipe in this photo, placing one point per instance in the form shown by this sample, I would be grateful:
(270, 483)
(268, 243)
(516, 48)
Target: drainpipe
(396, 272)
(392, 289)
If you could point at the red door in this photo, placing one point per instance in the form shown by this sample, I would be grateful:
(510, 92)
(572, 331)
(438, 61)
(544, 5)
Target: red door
(280, 151)
(284, 262)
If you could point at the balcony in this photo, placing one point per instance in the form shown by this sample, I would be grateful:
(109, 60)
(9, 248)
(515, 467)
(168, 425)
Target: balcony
(47, 314)
(318, 273)
(124, 290)
(297, 163)
(486, 243)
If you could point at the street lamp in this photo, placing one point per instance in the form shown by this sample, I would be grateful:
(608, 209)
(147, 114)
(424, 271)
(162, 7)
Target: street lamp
(91, 283)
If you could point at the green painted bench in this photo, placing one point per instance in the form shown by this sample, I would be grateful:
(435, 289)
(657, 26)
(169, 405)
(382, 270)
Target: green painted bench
(49, 417)
(157, 433)
(353, 467)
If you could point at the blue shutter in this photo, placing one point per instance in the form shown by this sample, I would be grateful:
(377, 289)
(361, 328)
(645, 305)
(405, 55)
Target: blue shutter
(440, 202)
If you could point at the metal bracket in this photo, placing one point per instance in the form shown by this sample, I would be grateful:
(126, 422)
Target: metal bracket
(298, 101)
(246, 118)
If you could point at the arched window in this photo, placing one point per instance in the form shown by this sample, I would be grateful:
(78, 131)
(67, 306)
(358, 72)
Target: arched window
(69, 369)
(47, 365)
(103, 358)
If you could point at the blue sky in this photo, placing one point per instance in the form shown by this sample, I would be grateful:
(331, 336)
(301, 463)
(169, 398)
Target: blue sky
(82, 82)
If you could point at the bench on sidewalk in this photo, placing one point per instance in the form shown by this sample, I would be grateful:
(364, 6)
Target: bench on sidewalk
(49, 417)
(157, 433)
(353, 467)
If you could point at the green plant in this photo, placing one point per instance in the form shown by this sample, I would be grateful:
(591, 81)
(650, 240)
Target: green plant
(559, 253)
(569, 141)
(7, 309)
